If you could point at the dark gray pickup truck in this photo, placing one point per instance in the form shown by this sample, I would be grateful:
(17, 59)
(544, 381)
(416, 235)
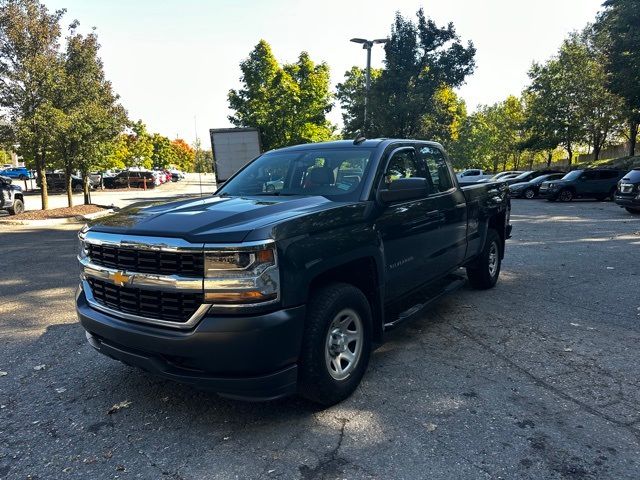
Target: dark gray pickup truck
(285, 279)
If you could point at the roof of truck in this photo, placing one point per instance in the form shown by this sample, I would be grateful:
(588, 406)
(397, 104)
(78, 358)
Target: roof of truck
(368, 143)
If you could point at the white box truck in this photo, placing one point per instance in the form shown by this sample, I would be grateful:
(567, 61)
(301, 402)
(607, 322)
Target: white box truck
(232, 149)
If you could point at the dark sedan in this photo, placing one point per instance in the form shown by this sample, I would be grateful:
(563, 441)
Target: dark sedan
(531, 188)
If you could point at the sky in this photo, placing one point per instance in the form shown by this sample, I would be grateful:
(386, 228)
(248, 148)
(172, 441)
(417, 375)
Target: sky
(173, 62)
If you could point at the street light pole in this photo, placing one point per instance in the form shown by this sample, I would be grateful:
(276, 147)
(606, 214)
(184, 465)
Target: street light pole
(367, 45)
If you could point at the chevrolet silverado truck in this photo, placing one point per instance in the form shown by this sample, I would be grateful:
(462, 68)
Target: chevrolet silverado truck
(269, 288)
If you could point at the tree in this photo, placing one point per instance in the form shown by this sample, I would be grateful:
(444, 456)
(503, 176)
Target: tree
(617, 27)
(164, 155)
(93, 114)
(288, 104)
(350, 93)
(184, 155)
(30, 70)
(139, 146)
(421, 62)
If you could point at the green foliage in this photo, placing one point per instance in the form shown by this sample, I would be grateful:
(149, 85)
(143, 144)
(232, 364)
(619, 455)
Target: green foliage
(164, 155)
(287, 103)
(30, 69)
(618, 34)
(413, 92)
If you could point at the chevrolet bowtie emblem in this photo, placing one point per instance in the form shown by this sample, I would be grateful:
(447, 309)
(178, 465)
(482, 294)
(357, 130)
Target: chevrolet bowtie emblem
(119, 278)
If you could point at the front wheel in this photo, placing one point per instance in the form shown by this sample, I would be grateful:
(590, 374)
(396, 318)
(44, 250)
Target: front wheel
(485, 270)
(18, 207)
(565, 195)
(529, 193)
(336, 344)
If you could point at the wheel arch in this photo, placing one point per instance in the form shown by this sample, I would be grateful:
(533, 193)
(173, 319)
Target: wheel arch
(363, 273)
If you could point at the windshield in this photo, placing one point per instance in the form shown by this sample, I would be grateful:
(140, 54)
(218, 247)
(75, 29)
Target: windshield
(572, 175)
(633, 176)
(330, 172)
(523, 175)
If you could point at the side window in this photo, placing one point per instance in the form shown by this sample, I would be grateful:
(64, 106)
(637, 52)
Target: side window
(589, 176)
(608, 174)
(438, 169)
(403, 165)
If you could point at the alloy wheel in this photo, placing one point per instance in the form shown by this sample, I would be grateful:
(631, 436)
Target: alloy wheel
(344, 344)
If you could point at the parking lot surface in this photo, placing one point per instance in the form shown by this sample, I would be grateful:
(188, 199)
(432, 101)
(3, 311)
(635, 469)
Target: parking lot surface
(537, 378)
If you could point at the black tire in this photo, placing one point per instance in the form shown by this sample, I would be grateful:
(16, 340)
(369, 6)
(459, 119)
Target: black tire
(565, 195)
(529, 193)
(18, 207)
(635, 211)
(22, 177)
(327, 304)
(77, 188)
(612, 194)
(484, 273)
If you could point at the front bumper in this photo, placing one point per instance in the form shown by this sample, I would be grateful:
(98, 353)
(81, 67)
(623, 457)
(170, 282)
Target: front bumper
(249, 357)
(548, 193)
(627, 201)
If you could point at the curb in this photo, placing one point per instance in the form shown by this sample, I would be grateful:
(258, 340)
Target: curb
(49, 222)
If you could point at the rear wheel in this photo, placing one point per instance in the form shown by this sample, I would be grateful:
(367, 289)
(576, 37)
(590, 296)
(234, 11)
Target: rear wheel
(77, 188)
(22, 177)
(336, 344)
(484, 271)
(529, 193)
(18, 207)
(635, 211)
(565, 195)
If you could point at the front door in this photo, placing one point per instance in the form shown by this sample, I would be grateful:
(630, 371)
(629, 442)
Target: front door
(408, 228)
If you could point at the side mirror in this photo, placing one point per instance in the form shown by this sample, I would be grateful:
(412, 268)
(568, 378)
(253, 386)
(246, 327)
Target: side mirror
(404, 189)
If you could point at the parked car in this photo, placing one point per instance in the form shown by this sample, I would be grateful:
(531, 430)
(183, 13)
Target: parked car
(598, 183)
(628, 191)
(11, 197)
(531, 174)
(472, 175)
(260, 295)
(176, 175)
(530, 189)
(58, 181)
(501, 176)
(20, 173)
(131, 178)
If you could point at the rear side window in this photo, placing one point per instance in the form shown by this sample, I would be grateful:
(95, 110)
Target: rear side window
(590, 175)
(438, 169)
(608, 174)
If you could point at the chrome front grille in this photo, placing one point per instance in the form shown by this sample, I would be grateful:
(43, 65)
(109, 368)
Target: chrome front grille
(188, 264)
(158, 305)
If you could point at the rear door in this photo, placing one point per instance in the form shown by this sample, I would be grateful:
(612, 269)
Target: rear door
(450, 204)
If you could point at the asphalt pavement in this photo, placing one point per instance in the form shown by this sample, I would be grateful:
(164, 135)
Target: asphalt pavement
(537, 378)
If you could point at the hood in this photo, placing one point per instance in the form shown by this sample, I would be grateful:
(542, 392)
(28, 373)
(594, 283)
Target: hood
(211, 219)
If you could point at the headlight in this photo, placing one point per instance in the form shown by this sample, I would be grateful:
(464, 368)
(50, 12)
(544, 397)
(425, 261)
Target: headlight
(242, 277)
(82, 245)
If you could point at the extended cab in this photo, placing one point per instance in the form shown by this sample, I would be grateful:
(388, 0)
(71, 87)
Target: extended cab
(284, 280)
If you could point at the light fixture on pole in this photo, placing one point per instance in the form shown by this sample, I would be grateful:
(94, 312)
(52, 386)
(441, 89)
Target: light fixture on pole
(366, 45)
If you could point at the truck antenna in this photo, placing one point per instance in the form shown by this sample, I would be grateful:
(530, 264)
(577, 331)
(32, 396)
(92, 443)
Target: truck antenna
(359, 138)
(195, 127)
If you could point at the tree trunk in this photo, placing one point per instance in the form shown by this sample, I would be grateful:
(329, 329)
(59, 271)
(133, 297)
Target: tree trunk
(570, 153)
(633, 135)
(44, 191)
(69, 182)
(85, 188)
(549, 158)
(596, 151)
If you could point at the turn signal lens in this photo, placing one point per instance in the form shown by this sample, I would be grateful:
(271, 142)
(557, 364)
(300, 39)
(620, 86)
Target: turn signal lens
(251, 296)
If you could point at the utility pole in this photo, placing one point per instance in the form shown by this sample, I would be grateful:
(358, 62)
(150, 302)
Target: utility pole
(367, 45)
